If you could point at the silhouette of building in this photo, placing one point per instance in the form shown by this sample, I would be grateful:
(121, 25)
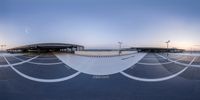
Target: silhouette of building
(157, 50)
(47, 47)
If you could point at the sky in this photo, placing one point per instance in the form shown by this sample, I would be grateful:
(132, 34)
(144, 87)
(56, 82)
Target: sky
(101, 23)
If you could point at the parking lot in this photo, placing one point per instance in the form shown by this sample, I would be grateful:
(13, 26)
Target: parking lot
(153, 77)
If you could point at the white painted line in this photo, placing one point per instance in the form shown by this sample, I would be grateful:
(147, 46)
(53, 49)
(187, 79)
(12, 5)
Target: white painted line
(127, 58)
(104, 56)
(41, 80)
(188, 54)
(46, 64)
(155, 64)
(197, 66)
(99, 66)
(48, 58)
(19, 63)
(158, 79)
(173, 61)
(2, 66)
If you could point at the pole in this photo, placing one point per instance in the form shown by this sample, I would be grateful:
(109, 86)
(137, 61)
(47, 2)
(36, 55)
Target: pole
(167, 47)
(120, 46)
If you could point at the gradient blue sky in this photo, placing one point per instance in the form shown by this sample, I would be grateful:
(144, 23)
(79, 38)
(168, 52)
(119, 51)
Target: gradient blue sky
(101, 23)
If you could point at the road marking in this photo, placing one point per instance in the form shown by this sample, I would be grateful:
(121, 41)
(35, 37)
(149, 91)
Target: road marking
(39, 63)
(197, 66)
(99, 66)
(127, 57)
(51, 58)
(41, 80)
(19, 63)
(158, 79)
(160, 63)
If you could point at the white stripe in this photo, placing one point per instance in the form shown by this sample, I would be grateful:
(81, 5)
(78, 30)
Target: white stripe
(42, 80)
(47, 58)
(46, 64)
(96, 66)
(160, 63)
(19, 63)
(158, 79)
(197, 66)
(1, 66)
(173, 61)
(39, 63)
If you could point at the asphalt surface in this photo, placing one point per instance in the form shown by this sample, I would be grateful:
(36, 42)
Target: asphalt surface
(185, 86)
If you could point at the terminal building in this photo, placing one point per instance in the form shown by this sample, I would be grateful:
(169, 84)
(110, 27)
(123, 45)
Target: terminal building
(47, 47)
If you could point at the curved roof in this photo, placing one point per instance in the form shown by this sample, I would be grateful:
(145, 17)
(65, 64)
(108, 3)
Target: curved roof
(46, 45)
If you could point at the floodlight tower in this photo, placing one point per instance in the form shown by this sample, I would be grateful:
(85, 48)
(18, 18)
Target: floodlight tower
(167, 46)
(120, 47)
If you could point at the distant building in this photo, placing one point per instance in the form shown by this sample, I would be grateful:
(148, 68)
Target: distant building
(157, 50)
(47, 47)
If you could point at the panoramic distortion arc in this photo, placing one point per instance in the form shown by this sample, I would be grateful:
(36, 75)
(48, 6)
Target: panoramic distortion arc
(99, 66)
(158, 79)
(19, 63)
(39, 79)
(154, 64)
(46, 64)
(195, 66)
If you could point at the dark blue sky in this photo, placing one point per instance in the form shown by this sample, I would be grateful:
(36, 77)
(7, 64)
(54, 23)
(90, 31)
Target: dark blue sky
(101, 23)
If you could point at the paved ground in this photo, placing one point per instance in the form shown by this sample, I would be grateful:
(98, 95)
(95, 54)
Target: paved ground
(46, 78)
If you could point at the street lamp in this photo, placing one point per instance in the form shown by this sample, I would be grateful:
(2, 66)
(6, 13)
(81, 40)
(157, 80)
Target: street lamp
(120, 46)
(167, 46)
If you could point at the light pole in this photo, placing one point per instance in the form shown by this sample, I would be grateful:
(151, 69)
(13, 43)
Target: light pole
(167, 46)
(120, 46)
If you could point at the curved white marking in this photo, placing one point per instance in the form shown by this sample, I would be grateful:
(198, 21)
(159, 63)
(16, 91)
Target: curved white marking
(197, 66)
(104, 56)
(183, 64)
(46, 64)
(42, 80)
(19, 63)
(188, 54)
(158, 79)
(47, 58)
(154, 64)
(99, 66)
(1, 66)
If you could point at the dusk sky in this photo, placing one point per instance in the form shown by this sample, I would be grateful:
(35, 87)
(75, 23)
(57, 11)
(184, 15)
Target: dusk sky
(101, 23)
